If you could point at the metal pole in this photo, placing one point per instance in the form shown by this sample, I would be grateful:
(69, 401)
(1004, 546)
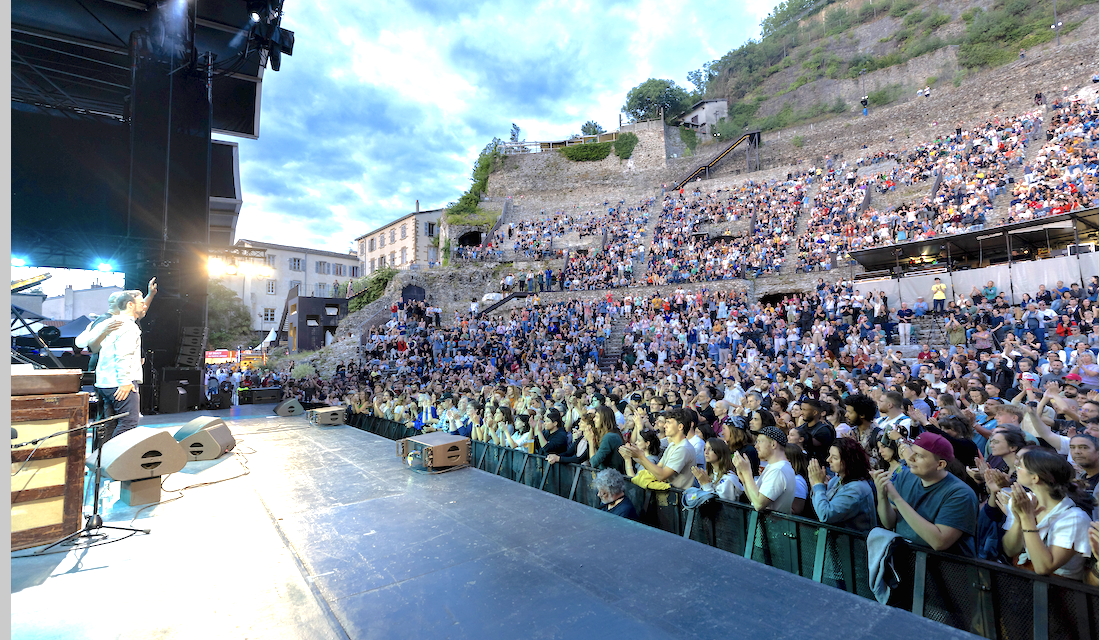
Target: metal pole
(1077, 249)
(1011, 288)
(1057, 26)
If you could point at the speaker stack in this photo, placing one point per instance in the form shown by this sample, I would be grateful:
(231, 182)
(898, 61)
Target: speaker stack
(192, 347)
(138, 458)
(205, 438)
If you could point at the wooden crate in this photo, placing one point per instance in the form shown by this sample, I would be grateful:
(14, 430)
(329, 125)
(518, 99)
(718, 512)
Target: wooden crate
(47, 495)
(43, 381)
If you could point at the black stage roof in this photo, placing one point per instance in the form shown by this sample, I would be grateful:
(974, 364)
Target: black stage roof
(73, 55)
(990, 245)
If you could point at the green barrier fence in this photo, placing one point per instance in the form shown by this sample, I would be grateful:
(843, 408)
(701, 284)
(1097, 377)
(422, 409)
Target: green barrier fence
(988, 599)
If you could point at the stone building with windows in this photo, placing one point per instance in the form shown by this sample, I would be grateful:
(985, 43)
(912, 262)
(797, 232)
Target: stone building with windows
(264, 286)
(409, 242)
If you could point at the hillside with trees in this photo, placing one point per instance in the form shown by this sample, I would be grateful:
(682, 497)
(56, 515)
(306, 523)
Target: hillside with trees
(805, 43)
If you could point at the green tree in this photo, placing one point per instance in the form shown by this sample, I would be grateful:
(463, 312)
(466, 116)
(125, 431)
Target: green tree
(645, 101)
(229, 321)
(514, 137)
(701, 77)
(591, 128)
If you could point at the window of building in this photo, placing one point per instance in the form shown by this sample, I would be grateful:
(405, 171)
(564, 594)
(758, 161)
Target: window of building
(271, 287)
(429, 229)
(403, 255)
(372, 265)
(271, 260)
(372, 244)
(323, 268)
(393, 258)
(381, 262)
(313, 321)
(298, 284)
(432, 254)
(403, 231)
(321, 289)
(269, 314)
(381, 241)
(295, 264)
(339, 269)
(393, 236)
(332, 310)
(353, 271)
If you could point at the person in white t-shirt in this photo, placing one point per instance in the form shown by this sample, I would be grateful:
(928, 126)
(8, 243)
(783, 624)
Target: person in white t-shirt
(1048, 527)
(678, 460)
(774, 489)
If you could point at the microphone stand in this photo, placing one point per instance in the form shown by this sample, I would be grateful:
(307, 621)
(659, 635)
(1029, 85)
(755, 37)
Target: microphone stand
(93, 523)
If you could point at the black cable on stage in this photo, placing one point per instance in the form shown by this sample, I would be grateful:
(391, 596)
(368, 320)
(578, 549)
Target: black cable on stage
(241, 458)
(238, 455)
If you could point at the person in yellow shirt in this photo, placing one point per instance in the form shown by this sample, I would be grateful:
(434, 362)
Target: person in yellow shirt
(939, 297)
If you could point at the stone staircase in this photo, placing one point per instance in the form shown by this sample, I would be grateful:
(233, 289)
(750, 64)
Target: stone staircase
(790, 258)
(612, 352)
(926, 330)
(642, 270)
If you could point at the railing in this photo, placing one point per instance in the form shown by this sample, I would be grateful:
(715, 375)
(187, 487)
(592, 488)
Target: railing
(511, 148)
(988, 599)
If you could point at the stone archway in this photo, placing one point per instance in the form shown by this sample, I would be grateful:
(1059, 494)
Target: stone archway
(470, 239)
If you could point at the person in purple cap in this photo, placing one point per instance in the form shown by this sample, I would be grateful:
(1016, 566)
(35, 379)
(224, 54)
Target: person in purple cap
(925, 504)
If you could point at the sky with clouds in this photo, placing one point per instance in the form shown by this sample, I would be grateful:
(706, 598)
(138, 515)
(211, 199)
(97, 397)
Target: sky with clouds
(384, 104)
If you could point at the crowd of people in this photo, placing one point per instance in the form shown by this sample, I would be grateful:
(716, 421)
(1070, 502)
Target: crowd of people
(684, 251)
(984, 445)
(977, 169)
(786, 407)
(622, 242)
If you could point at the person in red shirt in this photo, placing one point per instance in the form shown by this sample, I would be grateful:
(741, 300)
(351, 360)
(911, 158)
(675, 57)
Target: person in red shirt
(925, 355)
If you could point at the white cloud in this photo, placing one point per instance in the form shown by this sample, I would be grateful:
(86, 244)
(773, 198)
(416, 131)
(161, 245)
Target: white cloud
(384, 104)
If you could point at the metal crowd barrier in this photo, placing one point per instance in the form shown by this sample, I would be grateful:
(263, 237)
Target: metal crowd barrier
(988, 599)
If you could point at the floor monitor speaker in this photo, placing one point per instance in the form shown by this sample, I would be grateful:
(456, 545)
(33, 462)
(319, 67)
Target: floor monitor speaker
(209, 443)
(195, 426)
(288, 408)
(141, 453)
(326, 416)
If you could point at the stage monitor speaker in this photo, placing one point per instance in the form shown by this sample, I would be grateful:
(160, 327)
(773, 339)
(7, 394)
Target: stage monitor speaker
(326, 416)
(288, 408)
(209, 443)
(173, 398)
(195, 426)
(141, 453)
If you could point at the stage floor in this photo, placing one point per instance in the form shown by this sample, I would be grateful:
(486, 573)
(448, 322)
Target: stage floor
(331, 536)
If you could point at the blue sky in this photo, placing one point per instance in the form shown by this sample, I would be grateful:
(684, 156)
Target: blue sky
(383, 104)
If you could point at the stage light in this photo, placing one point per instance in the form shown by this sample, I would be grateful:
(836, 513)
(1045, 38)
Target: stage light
(255, 17)
(215, 267)
(18, 262)
(231, 269)
(104, 266)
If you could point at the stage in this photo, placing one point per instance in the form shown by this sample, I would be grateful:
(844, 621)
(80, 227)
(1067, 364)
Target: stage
(331, 536)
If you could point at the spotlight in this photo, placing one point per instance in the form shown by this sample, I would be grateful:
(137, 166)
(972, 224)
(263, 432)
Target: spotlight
(231, 269)
(105, 266)
(255, 17)
(18, 262)
(215, 267)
